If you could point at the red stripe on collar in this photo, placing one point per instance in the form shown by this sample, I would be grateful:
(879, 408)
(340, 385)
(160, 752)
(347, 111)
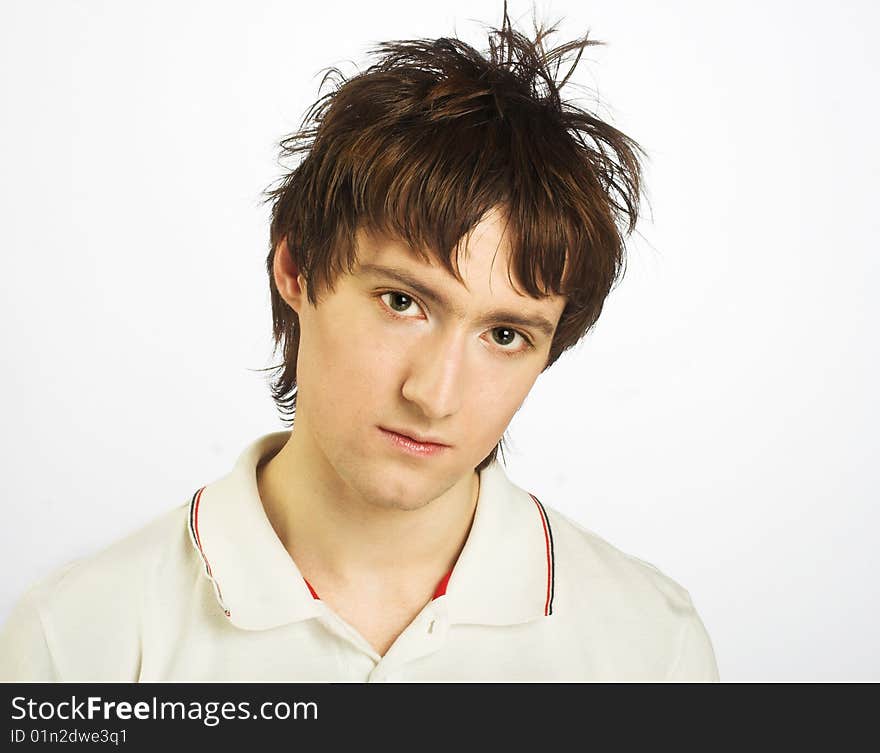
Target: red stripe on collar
(314, 593)
(195, 526)
(438, 592)
(441, 586)
(544, 523)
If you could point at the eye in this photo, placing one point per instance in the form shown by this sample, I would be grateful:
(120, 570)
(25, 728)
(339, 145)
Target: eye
(397, 304)
(397, 301)
(505, 336)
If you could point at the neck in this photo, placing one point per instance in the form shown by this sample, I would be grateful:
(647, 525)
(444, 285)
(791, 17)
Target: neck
(340, 530)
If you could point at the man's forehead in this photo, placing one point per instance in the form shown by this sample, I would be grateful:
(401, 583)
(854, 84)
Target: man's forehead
(483, 263)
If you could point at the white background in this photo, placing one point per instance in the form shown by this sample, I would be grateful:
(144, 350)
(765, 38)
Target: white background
(720, 421)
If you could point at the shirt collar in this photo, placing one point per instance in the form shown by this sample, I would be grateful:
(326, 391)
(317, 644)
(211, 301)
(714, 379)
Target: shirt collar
(504, 574)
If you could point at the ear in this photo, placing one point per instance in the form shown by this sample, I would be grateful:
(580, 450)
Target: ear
(290, 283)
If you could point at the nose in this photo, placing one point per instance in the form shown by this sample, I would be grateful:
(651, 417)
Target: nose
(434, 381)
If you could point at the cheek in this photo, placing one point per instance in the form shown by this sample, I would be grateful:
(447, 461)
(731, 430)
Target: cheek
(350, 360)
(497, 399)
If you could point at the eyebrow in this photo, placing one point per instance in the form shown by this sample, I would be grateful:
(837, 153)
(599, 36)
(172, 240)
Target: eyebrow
(504, 316)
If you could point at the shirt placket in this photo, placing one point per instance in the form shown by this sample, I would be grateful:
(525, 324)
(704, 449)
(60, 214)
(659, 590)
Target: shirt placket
(423, 636)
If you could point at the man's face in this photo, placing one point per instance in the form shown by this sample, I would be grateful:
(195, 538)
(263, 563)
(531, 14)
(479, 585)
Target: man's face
(382, 353)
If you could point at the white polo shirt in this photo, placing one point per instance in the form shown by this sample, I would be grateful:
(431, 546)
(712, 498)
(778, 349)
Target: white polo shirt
(207, 592)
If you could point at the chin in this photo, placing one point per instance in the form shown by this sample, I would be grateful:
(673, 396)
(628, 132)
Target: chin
(402, 489)
(400, 494)
(405, 505)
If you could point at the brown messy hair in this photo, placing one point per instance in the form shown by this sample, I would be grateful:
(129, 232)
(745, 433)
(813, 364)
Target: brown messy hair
(428, 139)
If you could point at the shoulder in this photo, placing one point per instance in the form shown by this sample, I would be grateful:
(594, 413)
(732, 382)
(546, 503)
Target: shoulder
(93, 608)
(588, 556)
(120, 568)
(628, 601)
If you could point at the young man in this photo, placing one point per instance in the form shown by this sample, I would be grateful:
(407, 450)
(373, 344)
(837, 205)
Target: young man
(451, 229)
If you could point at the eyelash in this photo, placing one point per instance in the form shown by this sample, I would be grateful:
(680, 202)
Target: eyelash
(395, 315)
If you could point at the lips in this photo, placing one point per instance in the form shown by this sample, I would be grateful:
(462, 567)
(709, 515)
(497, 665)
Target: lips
(425, 439)
(403, 443)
